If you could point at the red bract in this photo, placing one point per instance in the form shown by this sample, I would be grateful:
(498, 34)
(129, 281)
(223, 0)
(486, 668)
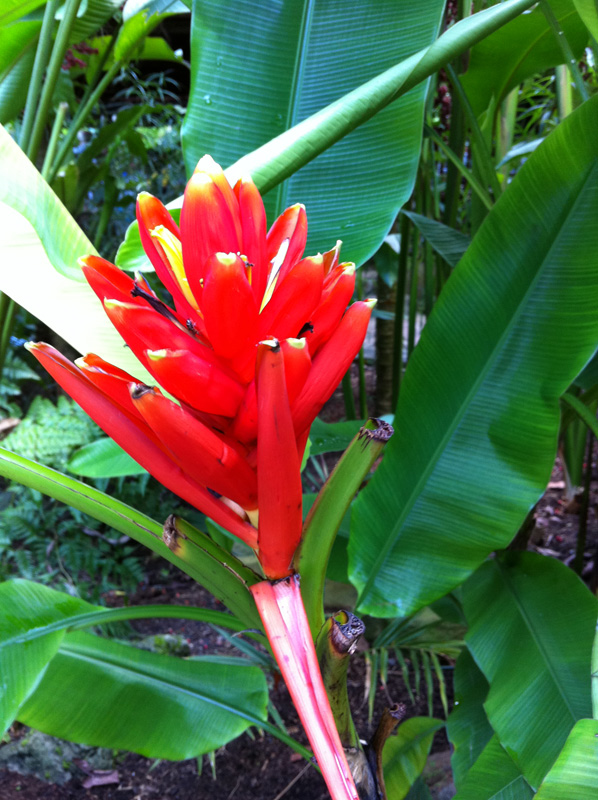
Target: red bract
(231, 440)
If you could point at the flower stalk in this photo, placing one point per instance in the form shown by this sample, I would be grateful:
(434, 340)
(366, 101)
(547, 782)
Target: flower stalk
(281, 609)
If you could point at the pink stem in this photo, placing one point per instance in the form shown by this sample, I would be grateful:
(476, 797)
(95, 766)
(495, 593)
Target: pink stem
(281, 608)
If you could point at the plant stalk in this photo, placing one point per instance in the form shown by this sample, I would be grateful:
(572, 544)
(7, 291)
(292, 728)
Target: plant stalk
(55, 63)
(281, 608)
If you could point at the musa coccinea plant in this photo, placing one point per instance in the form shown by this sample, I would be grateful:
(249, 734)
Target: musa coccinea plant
(255, 340)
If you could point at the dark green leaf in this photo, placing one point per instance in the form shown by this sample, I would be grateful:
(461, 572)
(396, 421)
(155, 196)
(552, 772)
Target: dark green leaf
(304, 56)
(447, 242)
(478, 414)
(467, 727)
(107, 694)
(404, 755)
(532, 624)
(494, 776)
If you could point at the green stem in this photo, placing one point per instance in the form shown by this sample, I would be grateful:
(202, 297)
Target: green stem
(469, 176)
(56, 59)
(481, 151)
(397, 353)
(350, 412)
(54, 136)
(563, 42)
(363, 398)
(8, 310)
(564, 93)
(583, 511)
(506, 128)
(42, 56)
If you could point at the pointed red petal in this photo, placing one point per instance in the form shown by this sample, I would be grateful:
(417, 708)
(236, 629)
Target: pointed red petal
(253, 227)
(151, 214)
(143, 329)
(230, 311)
(331, 257)
(286, 240)
(297, 365)
(208, 226)
(293, 301)
(200, 452)
(331, 363)
(138, 439)
(281, 608)
(109, 379)
(107, 280)
(335, 299)
(278, 467)
(203, 386)
(207, 165)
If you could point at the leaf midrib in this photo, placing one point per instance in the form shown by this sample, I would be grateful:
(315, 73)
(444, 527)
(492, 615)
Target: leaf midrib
(461, 411)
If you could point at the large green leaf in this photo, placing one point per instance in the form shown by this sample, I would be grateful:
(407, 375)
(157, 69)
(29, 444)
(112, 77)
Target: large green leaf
(494, 776)
(17, 52)
(33, 620)
(532, 624)
(11, 10)
(22, 665)
(467, 727)
(102, 693)
(284, 155)
(574, 776)
(588, 11)
(404, 755)
(478, 414)
(304, 55)
(521, 48)
(103, 459)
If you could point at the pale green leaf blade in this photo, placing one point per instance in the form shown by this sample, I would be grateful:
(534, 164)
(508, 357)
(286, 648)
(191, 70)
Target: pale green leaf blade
(39, 246)
(17, 51)
(574, 775)
(588, 11)
(494, 776)
(532, 624)
(103, 459)
(404, 755)
(15, 9)
(107, 694)
(478, 414)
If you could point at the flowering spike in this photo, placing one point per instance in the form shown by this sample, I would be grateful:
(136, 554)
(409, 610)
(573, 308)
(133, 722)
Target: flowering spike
(200, 452)
(253, 232)
(278, 466)
(331, 363)
(281, 609)
(152, 214)
(230, 310)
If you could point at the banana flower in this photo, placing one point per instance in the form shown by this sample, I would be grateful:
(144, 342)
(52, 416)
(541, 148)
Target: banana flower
(254, 341)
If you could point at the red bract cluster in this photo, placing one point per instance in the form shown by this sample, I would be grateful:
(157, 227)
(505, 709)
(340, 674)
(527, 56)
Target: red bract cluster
(255, 341)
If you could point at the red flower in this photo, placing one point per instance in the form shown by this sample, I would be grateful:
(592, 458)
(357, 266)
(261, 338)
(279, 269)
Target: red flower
(256, 340)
